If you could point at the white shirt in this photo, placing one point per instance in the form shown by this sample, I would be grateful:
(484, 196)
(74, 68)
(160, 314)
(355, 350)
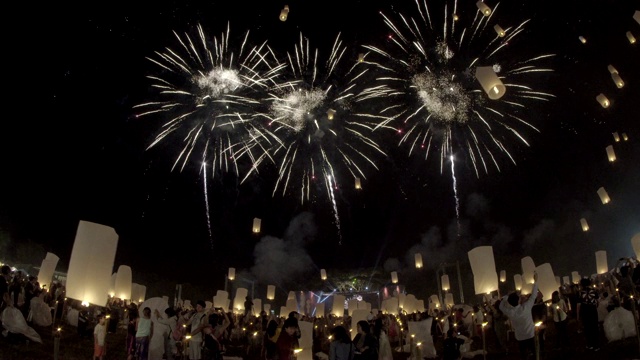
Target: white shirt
(520, 316)
(99, 332)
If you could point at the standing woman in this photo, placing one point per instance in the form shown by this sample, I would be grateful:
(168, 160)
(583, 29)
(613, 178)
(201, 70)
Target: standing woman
(144, 332)
(365, 343)
(131, 332)
(269, 347)
(341, 347)
(588, 314)
(559, 309)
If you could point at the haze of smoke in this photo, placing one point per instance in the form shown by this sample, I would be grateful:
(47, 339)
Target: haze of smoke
(544, 230)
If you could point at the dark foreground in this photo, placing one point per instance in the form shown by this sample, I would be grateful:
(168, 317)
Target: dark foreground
(72, 346)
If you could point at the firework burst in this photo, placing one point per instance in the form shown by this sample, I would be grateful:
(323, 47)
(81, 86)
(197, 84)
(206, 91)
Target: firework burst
(437, 103)
(316, 136)
(209, 93)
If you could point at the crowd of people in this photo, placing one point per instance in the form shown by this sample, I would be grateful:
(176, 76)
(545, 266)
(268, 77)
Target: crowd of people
(206, 333)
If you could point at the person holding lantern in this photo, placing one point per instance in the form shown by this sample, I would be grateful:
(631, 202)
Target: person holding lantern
(521, 318)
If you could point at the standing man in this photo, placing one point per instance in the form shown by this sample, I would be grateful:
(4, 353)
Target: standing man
(5, 277)
(521, 319)
(197, 321)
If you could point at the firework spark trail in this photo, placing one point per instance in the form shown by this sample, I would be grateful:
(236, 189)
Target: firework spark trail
(455, 192)
(330, 186)
(428, 73)
(315, 123)
(206, 203)
(210, 93)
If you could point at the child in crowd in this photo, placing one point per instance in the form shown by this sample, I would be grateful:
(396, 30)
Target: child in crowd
(99, 334)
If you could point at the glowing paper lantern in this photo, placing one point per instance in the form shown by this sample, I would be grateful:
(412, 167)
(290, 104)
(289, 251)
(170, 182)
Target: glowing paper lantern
(48, 267)
(616, 137)
(517, 281)
(138, 293)
(490, 82)
(584, 225)
(635, 243)
(448, 299)
(445, 282)
(319, 310)
(221, 300)
(575, 277)
(433, 299)
(123, 282)
(601, 262)
(358, 184)
(323, 274)
(499, 30)
(338, 305)
(603, 100)
(612, 70)
(352, 305)
(582, 39)
(360, 57)
(330, 114)
(484, 9)
(358, 315)
(232, 273)
(636, 16)
(91, 264)
(238, 300)
(631, 38)
(291, 295)
(256, 226)
(611, 155)
(547, 283)
(528, 267)
(284, 13)
(292, 305)
(503, 276)
(566, 280)
(604, 197)
(625, 137)
(526, 289)
(271, 292)
(418, 259)
(485, 277)
(394, 277)
(617, 80)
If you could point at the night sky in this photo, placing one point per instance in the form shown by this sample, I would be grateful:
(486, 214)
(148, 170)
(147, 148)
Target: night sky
(73, 148)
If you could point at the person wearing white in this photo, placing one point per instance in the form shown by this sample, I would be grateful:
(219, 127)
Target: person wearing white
(521, 318)
(171, 322)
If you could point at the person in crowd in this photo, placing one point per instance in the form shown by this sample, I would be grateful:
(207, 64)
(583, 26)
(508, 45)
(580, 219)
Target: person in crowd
(99, 336)
(384, 346)
(521, 320)
(269, 347)
(500, 327)
(131, 332)
(478, 319)
(287, 340)
(539, 315)
(559, 310)
(144, 332)
(587, 314)
(451, 346)
(171, 322)
(341, 347)
(365, 343)
(5, 279)
(197, 321)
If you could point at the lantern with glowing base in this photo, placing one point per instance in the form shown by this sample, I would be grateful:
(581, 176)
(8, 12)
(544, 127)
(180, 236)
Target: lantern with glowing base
(361, 57)
(616, 137)
(323, 274)
(611, 155)
(394, 277)
(284, 13)
(575, 277)
(631, 38)
(625, 137)
(528, 267)
(503, 276)
(485, 277)
(617, 80)
(601, 262)
(358, 184)
(604, 197)
(547, 283)
(584, 224)
(499, 30)
(484, 9)
(271, 292)
(517, 281)
(231, 274)
(48, 267)
(490, 82)
(257, 223)
(123, 283)
(446, 285)
(331, 114)
(604, 102)
(418, 260)
(582, 39)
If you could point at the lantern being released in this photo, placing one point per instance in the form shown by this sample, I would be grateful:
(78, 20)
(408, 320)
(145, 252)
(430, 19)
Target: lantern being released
(503, 276)
(611, 155)
(256, 225)
(636, 16)
(575, 277)
(394, 277)
(604, 197)
(631, 38)
(445, 282)
(232, 273)
(582, 39)
(499, 30)
(584, 224)
(330, 114)
(616, 137)
(418, 259)
(483, 266)
(625, 137)
(323, 274)
(271, 292)
(490, 82)
(617, 80)
(517, 281)
(484, 9)
(603, 100)
(361, 57)
(358, 184)
(612, 70)
(601, 262)
(284, 13)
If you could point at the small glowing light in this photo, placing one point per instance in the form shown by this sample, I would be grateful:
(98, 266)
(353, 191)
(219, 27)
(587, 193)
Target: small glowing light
(297, 351)
(538, 323)
(484, 9)
(582, 39)
(455, 17)
(188, 336)
(59, 329)
(330, 114)
(255, 333)
(361, 57)
(631, 38)
(284, 13)
(604, 102)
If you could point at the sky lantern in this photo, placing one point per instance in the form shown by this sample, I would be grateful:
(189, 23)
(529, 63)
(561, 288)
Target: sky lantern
(338, 305)
(616, 137)
(445, 282)
(490, 82)
(604, 197)
(257, 222)
(546, 281)
(503, 276)
(631, 38)
(48, 267)
(483, 266)
(284, 13)
(330, 114)
(617, 80)
(636, 16)
(484, 9)
(528, 267)
(455, 17)
(418, 259)
(358, 184)
(611, 155)
(271, 292)
(122, 287)
(566, 280)
(625, 137)
(517, 281)
(499, 30)
(231, 274)
(584, 224)
(575, 277)
(635, 243)
(448, 299)
(582, 39)
(91, 264)
(323, 274)
(394, 277)
(603, 100)
(361, 57)
(112, 285)
(612, 69)
(601, 262)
